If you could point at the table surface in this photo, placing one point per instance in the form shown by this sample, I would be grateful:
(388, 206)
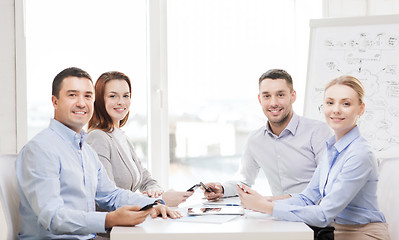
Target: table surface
(250, 226)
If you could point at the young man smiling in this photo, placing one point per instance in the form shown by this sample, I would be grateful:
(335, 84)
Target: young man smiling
(287, 149)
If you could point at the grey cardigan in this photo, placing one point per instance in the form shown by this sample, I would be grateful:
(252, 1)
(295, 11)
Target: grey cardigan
(118, 166)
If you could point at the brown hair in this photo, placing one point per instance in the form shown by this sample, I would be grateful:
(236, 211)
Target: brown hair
(68, 72)
(351, 82)
(101, 119)
(278, 74)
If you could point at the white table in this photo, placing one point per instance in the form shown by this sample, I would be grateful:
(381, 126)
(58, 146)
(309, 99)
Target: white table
(239, 228)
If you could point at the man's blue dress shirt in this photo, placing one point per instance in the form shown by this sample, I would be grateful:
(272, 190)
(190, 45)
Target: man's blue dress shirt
(60, 180)
(342, 190)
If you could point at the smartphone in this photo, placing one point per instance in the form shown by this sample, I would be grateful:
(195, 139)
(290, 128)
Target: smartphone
(148, 206)
(207, 189)
(192, 189)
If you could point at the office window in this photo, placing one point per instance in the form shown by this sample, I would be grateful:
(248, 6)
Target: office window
(96, 36)
(217, 50)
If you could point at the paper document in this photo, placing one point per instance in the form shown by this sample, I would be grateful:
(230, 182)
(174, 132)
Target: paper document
(197, 211)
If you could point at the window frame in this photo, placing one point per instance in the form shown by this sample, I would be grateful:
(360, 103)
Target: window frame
(158, 129)
(157, 86)
(21, 111)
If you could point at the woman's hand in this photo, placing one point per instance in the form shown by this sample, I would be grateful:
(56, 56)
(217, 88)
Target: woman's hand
(250, 199)
(154, 193)
(173, 198)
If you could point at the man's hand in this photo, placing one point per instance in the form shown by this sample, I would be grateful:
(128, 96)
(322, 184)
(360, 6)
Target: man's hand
(250, 199)
(217, 191)
(126, 216)
(164, 212)
(173, 198)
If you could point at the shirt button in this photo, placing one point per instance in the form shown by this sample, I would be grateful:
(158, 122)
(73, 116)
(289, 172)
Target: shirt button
(278, 156)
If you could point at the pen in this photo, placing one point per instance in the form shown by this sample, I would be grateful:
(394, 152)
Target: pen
(231, 204)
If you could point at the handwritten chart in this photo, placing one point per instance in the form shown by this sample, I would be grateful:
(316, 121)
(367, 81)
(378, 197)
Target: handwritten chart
(368, 49)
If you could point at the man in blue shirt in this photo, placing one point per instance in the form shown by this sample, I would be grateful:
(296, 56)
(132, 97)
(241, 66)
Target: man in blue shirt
(60, 178)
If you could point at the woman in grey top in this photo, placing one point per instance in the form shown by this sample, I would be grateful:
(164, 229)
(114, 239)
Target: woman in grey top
(111, 112)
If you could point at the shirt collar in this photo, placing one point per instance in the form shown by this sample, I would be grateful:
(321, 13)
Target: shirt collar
(344, 142)
(68, 134)
(291, 127)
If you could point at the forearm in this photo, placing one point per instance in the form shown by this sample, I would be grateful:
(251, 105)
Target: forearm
(266, 207)
(280, 197)
(246, 174)
(312, 215)
(109, 197)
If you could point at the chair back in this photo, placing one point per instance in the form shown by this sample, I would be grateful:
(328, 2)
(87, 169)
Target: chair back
(388, 194)
(9, 198)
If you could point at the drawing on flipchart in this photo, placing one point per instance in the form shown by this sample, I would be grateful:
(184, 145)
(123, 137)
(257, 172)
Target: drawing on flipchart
(372, 56)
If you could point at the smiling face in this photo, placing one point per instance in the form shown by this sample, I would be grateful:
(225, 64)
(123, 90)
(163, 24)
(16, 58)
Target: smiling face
(276, 100)
(342, 108)
(74, 105)
(117, 100)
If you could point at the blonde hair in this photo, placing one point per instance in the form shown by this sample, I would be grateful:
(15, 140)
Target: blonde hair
(351, 82)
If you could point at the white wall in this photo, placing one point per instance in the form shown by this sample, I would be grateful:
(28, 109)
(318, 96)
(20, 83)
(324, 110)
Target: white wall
(8, 132)
(12, 77)
(8, 126)
(351, 8)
